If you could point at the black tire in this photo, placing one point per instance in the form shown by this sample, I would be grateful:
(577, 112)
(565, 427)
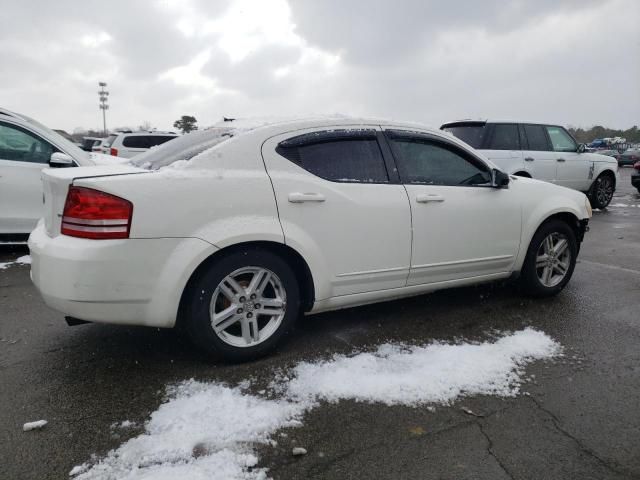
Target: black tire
(601, 191)
(197, 319)
(530, 280)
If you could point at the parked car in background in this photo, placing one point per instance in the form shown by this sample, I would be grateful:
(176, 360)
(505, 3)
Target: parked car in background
(628, 157)
(541, 151)
(97, 146)
(27, 147)
(635, 176)
(129, 144)
(298, 216)
(89, 142)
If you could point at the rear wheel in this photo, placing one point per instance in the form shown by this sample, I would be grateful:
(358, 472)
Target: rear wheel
(550, 260)
(602, 190)
(243, 305)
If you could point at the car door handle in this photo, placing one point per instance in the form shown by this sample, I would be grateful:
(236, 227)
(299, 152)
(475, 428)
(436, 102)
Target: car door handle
(426, 198)
(561, 159)
(297, 197)
(529, 159)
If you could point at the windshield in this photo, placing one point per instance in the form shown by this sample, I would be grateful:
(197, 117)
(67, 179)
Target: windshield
(69, 147)
(183, 148)
(472, 134)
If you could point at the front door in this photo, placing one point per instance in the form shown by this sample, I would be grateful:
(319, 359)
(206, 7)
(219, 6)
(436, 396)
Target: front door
(23, 155)
(342, 207)
(573, 169)
(462, 227)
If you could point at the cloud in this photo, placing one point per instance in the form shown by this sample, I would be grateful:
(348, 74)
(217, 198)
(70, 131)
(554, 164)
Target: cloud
(562, 61)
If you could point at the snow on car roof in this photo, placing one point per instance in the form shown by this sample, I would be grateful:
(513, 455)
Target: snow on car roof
(193, 144)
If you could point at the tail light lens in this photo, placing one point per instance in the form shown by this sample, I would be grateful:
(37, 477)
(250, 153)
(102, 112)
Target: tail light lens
(113, 151)
(97, 215)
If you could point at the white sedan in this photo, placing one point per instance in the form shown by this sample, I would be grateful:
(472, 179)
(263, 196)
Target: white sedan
(233, 232)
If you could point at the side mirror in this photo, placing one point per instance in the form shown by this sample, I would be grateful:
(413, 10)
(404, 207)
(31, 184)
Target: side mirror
(499, 179)
(581, 148)
(60, 160)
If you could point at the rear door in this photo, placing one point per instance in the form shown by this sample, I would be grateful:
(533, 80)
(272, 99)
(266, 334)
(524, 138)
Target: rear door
(342, 205)
(573, 169)
(539, 158)
(503, 147)
(23, 155)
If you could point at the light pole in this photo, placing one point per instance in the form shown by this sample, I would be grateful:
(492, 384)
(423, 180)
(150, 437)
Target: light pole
(104, 106)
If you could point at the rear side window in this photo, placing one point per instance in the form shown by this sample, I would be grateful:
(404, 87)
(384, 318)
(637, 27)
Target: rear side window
(537, 138)
(561, 140)
(339, 156)
(472, 134)
(145, 141)
(505, 137)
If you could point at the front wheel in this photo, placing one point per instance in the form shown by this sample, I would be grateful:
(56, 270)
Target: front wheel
(243, 305)
(602, 191)
(550, 259)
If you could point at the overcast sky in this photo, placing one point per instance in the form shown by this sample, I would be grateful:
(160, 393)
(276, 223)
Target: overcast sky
(573, 62)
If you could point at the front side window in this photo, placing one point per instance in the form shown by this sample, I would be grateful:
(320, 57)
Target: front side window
(20, 145)
(561, 140)
(505, 137)
(426, 162)
(339, 156)
(536, 138)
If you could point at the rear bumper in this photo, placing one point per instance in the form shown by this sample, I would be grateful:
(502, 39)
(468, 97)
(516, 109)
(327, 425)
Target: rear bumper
(131, 282)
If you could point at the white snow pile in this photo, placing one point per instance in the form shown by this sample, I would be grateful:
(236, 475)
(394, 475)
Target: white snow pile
(203, 431)
(34, 425)
(24, 260)
(208, 430)
(436, 373)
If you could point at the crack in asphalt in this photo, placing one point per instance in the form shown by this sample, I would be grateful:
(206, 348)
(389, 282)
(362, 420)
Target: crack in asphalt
(490, 449)
(583, 448)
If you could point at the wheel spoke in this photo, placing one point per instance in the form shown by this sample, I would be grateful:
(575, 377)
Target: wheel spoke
(561, 246)
(548, 245)
(541, 260)
(250, 332)
(271, 306)
(259, 282)
(547, 274)
(224, 319)
(561, 268)
(231, 288)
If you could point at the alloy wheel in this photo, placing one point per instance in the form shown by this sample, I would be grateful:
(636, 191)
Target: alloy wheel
(604, 191)
(247, 306)
(553, 259)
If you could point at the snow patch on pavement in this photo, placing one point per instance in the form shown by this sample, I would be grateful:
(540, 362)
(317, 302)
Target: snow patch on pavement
(208, 430)
(415, 375)
(24, 260)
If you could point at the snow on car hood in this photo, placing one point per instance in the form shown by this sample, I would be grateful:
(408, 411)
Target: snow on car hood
(102, 159)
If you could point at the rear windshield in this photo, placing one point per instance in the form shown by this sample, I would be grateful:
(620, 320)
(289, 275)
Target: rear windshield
(182, 148)
(472, 134)
(146, 141)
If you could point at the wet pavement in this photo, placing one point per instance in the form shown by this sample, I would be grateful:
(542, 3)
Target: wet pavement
(579, 417)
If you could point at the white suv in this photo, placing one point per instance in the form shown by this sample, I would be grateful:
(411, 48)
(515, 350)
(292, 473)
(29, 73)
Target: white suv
(130, 144)
(542, 151)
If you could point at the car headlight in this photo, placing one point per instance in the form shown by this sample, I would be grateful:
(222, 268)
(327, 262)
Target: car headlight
(587, 205)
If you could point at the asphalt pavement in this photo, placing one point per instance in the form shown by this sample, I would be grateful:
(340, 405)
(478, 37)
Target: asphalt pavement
(578, 418)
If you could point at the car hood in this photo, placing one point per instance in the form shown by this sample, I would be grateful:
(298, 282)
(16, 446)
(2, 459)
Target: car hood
(596, 157)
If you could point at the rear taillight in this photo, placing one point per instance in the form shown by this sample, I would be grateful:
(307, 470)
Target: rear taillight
(97, 215)
(113, 151)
